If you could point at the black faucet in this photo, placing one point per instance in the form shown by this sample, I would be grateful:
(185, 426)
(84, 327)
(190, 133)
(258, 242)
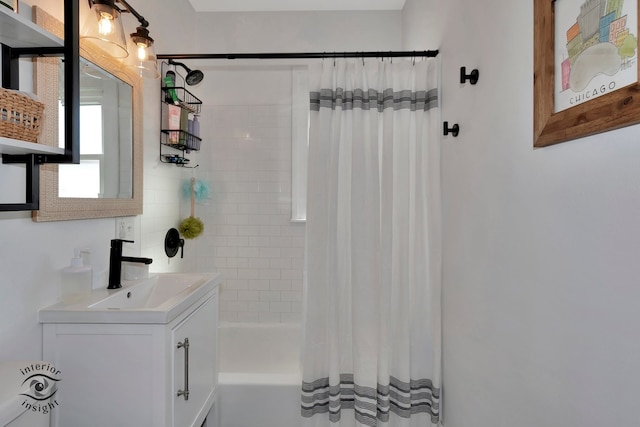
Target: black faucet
(115, 262)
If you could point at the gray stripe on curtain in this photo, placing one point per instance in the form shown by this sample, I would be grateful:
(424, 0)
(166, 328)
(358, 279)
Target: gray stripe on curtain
(399, 397)
(373, 99)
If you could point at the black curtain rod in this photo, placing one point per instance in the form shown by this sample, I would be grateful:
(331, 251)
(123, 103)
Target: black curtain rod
(302, 55)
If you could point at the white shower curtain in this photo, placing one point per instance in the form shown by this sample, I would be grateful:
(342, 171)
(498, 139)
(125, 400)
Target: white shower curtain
(372, 326)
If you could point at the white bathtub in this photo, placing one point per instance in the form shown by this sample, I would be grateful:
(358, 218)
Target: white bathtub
(259, 380)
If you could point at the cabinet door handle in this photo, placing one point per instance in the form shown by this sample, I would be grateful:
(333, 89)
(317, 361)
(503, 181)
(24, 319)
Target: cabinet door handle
(185, 392)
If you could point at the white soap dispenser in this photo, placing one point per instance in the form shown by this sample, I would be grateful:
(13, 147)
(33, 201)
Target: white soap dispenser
(77, 278)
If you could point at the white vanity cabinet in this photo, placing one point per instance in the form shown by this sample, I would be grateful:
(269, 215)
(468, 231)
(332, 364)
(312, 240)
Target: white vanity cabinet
(136, 374)
(194, 369)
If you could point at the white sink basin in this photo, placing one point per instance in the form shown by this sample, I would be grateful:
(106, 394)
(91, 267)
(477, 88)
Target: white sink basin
(158, 299)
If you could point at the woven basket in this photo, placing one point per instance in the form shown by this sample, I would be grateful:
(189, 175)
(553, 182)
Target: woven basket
(20, 116)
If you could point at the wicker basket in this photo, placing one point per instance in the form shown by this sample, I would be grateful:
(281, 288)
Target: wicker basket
(20, 116)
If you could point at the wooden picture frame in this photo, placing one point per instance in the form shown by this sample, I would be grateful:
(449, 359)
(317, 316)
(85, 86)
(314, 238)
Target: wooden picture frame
(603, 113)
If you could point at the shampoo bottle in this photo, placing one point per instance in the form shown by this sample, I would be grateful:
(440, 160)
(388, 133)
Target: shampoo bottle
(77, 279)
(170, 82)
(196, 126)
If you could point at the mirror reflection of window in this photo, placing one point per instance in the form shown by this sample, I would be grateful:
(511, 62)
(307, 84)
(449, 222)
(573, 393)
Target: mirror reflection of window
(106, 137)
(84, 180)
(81, 180)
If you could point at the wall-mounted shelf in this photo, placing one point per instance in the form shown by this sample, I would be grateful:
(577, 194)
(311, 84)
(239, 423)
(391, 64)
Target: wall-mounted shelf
(18, 32)
(176, 142)
(16, 147)
(186, 141)
(186, 100)
(20, 38)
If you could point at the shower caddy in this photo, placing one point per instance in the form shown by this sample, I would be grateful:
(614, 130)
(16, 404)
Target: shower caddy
(174, 152)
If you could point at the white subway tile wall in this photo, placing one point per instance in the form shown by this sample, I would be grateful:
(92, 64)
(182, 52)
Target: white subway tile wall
(248, 236)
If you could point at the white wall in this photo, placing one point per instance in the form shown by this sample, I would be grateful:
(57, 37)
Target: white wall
(298, 31)
(246, 159)
(172, 28)
(540, 246)
(31, 258)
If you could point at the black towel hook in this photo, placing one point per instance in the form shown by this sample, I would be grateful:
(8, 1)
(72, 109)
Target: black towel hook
(453, 130)
(472, 77)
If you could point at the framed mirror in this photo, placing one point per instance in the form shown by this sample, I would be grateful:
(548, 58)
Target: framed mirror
(108, 181)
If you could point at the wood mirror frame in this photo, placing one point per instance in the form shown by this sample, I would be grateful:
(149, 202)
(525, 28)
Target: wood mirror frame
(52, 207)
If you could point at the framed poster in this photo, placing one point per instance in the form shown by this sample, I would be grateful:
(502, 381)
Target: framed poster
(585, 68)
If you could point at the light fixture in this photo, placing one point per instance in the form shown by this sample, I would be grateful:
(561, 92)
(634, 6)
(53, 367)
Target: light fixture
(142, 56)
(143, 43)
(104, 27)
(193, 76)
(108, 33)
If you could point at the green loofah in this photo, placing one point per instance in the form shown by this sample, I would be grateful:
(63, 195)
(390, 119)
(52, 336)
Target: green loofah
(191, 227)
